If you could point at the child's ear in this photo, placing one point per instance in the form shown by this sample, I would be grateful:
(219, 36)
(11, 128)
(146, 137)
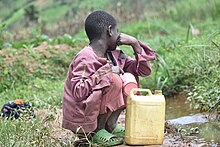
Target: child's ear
(109, 31)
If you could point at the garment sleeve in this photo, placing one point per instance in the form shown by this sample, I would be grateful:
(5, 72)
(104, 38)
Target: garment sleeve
(140, 66)
(85, 79)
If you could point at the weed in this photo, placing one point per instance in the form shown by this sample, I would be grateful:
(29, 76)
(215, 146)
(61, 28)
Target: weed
(34, 68)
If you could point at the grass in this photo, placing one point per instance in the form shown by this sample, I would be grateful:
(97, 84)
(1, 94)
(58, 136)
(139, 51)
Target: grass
(34, 133)
(49, 13)
(41, 93)
(42, 131)
(193, 11)
(15, 17)
(173, 42)
(34, 69)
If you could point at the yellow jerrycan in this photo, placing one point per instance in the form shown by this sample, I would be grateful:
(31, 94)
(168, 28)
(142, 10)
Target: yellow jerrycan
(145, 118)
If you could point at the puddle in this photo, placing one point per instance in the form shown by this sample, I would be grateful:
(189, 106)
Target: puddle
(178, 112)
(209, 131)
(177, 106)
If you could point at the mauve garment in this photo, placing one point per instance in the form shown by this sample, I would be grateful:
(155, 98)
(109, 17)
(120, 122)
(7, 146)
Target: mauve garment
(112, 96)
(88, 78)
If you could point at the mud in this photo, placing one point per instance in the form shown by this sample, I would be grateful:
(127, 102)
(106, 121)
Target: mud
(173, 135)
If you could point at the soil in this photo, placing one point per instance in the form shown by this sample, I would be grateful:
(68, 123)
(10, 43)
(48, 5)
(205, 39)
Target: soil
(172, 137)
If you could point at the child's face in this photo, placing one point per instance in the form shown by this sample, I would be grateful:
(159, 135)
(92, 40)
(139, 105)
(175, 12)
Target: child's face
(113, 39)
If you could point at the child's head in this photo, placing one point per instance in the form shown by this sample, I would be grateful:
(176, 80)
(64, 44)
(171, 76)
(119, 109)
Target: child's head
(99, 22)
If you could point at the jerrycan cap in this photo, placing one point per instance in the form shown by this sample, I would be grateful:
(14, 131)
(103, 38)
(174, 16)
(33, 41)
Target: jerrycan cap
(158, 92)
(135, 91)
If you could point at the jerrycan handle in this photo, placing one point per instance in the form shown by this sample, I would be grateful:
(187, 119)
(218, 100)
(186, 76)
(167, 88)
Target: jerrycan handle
(135, 90)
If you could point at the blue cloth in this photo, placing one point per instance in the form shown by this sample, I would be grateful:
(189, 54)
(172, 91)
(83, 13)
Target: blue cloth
(13, 110)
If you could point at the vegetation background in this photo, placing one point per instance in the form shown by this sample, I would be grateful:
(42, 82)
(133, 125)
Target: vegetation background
(38, 40)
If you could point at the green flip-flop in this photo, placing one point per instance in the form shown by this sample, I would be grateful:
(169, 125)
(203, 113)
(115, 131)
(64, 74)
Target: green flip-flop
(104, 138)
(119, 131)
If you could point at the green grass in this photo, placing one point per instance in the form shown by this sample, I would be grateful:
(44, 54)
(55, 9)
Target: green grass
(24, 133)
(193, 11)
(41, 93)
(15, 17)
(54, 13)
(172, 70)
(35, 132)
(185, 62)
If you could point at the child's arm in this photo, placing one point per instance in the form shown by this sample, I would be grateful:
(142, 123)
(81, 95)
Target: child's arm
(143, 53)
(84, 78)
(125, 39)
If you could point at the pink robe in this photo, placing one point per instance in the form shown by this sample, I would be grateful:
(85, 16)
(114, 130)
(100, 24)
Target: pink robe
(86, 80)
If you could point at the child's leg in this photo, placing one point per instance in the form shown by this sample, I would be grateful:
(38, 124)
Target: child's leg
(101, 120)
(112, 104)
(108, 120)
(112, 120)
(129, 82)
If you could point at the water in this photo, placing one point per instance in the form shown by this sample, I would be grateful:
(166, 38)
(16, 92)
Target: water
(178, 111)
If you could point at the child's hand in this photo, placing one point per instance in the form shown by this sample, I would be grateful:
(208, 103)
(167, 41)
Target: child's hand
(124, 39)
(117, 70)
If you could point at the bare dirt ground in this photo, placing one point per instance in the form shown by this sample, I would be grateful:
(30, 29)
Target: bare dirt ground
(172, 137)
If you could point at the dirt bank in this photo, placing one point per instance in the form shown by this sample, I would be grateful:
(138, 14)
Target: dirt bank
(173, 136)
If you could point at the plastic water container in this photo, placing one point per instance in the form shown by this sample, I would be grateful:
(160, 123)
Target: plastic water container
(145, 118)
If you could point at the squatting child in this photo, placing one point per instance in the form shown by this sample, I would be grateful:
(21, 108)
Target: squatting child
(93, 92)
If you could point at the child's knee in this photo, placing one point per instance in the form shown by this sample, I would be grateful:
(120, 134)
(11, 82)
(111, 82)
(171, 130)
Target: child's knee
(129, 82)
(116, 81)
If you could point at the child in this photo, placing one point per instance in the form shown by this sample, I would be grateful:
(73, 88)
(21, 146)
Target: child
(93, 91)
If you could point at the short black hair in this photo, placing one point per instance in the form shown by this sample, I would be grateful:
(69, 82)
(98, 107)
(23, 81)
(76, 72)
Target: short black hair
(97, 22)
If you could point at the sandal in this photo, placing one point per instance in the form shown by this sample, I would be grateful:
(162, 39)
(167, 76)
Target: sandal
(104, 138)
(119, 131)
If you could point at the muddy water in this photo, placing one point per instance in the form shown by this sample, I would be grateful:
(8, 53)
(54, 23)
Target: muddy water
(177, 106)
(178, 112)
